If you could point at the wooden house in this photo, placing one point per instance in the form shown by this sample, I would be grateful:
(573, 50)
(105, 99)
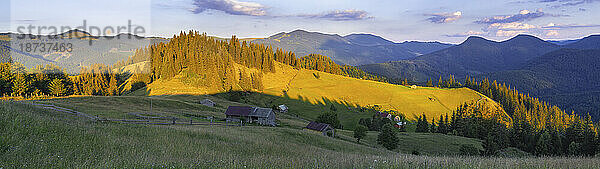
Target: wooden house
(262, 116)
(321, 127)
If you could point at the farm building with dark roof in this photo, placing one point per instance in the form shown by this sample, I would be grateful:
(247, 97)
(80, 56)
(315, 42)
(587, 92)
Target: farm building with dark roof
(262, 116)
(321, 127)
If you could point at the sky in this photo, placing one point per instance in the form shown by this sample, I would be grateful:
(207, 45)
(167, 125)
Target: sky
(450, 21)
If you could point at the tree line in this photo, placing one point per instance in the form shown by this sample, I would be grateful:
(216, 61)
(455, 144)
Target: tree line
(50, 80)
(215, 61)
(535, 126)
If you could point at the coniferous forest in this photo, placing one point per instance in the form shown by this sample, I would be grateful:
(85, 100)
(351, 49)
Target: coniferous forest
(535, 127)
(215, 60)
(212, 59)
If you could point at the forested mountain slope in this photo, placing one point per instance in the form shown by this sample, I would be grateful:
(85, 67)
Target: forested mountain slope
(566, 77)
(355, 49)
(474, 56)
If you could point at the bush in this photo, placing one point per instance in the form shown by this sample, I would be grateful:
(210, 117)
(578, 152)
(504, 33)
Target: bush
(574, 149)
(360, 132)
(387, 137)
(330, 118)
(468, 150)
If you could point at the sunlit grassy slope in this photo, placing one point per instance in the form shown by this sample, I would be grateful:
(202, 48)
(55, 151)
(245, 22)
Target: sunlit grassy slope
(316, 87)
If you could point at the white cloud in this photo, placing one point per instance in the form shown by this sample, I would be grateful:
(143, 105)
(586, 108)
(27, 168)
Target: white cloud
(444, 17)
(341, 15)
(233, 7)
(523, 15)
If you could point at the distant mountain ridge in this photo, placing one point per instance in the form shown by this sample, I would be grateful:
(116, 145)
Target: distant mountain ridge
(354, 49)
(590, 42)
(86, 49)
(474, 56)
(565, 75)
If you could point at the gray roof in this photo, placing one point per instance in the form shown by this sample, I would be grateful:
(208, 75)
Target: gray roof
(248, 111)
(318, 126)
(261, 112)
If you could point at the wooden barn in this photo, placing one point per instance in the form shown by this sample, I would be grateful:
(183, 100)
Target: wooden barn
(321, 127)
(262, 116)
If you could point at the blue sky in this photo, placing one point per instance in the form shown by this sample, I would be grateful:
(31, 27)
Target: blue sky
(397, 20)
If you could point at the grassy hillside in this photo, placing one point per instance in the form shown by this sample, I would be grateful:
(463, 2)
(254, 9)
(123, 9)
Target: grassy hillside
(186, 106)
(322, 88)
(433, 144)
(31, 137)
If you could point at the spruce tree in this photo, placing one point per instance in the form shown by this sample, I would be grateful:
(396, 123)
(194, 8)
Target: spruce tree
(20, 85)
(387, 137)
(6, 77)
(422, 124)
(429, 83)
(432, 126)
(112, 86)
(57, 87)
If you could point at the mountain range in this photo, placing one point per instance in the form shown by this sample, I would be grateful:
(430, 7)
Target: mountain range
(354, 49)
(564, 75)
(85, 49)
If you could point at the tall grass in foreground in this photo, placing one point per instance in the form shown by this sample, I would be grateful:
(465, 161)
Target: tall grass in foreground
(35, 138)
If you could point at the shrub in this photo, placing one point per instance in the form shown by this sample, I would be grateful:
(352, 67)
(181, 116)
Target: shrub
(330, 118)
(574, 149)
(360, 132)
(387, 137)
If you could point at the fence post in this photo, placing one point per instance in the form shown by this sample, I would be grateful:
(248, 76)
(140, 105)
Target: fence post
(190, 120)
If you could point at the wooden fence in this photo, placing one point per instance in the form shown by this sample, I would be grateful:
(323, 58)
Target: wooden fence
(145, 120)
